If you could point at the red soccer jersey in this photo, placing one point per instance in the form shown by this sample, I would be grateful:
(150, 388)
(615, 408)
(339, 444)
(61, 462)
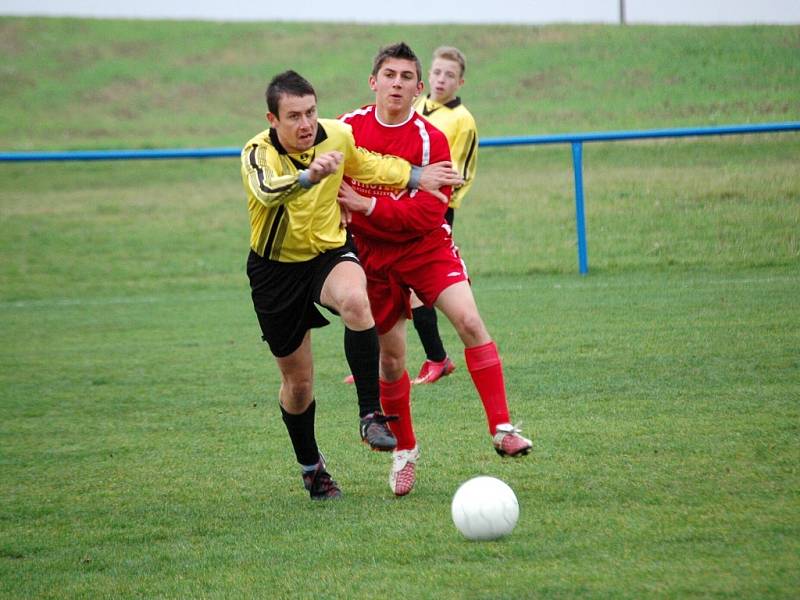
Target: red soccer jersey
(399, 215)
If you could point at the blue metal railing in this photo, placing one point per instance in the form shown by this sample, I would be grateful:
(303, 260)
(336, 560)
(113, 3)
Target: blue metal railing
(575, 139)
(89, 155)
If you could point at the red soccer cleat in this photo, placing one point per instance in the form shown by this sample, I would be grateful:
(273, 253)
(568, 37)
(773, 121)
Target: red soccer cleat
(432, 371)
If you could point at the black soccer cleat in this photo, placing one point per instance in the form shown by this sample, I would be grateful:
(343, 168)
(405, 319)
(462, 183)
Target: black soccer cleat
(320, 484)
(376, 433)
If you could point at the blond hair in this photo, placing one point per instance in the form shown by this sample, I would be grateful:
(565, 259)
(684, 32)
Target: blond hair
(451, 53)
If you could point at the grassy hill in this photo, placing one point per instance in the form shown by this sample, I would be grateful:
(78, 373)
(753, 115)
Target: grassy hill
(72, 83)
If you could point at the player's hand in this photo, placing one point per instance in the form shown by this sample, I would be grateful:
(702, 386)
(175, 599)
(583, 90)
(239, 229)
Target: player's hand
(351, 201)
(440, 195)
(323, 165)
(346, 217)
(438, 175)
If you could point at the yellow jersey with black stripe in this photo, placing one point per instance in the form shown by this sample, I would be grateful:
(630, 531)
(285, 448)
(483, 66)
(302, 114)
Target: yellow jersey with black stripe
(293, 223)
(456, 122)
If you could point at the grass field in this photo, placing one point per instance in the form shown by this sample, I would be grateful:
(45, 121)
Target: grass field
(155, 84)
(141, 449)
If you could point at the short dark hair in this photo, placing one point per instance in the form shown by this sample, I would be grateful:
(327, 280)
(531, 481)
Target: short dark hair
(398, 50)
(290, 83)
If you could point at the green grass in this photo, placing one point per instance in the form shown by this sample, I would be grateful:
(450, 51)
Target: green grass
(141, 449)
(107, 84)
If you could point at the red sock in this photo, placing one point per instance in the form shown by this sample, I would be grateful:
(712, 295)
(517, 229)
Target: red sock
(483, 363)
(396, 400)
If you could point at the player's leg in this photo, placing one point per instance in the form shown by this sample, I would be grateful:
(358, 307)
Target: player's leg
(437, 364)
(298, 410)
(345, 291)
(396, 400)
(483, 363)
(282, 300)
(395, 384)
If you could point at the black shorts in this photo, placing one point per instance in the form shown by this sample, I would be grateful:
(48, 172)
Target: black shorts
(285, 296)
(450, 216)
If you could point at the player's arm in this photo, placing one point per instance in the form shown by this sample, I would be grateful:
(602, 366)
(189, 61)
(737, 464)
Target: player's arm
(261, 168)
(413, 215)
(464, 150)
(373, 168)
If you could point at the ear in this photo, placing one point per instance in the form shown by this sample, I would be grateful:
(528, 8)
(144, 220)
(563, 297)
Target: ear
(273, 120)
(373, 83)
(420, 87)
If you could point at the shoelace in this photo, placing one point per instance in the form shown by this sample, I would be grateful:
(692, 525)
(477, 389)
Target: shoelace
(514, 428)
(326, 481)
(402, 456)
(381, 418)
(321, 482)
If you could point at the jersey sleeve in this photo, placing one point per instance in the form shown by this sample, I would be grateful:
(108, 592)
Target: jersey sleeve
(409, 218)
(371, 167)
(465, 157)
(261, 173)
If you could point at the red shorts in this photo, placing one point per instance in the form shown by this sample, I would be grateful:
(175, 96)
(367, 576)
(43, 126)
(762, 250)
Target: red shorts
(428, 265)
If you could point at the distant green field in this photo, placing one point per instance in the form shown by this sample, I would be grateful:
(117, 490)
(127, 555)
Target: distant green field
(141, 450)
(74, 83)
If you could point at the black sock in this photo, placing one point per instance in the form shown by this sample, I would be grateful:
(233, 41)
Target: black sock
(425, 324)
(301, 432)
(362, 351)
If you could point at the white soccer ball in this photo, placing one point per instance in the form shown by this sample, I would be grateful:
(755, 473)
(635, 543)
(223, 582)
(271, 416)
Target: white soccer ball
(485, 508)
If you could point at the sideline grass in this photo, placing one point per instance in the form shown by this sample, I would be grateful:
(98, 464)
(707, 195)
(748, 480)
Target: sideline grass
(143, 455)
(141, 451)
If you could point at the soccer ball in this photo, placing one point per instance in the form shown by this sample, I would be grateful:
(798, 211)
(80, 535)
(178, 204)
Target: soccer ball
(484, 508)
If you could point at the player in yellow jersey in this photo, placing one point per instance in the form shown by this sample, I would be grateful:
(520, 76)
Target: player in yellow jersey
(299, 257)
(444, 109)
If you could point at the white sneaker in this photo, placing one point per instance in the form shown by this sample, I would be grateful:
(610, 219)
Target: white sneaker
(403, 473)
(508, 441)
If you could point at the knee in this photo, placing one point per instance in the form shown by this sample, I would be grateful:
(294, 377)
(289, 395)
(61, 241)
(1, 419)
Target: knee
(296, 393)
(470, 328)
(392, 366)
(354, 308)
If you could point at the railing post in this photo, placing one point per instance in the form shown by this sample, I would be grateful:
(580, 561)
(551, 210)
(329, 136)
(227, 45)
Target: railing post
(580, 220)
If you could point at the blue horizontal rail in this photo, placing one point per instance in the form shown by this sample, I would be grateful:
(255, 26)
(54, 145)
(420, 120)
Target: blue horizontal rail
(89, 155)
(566, 138)
(575, 139)
(613, 136)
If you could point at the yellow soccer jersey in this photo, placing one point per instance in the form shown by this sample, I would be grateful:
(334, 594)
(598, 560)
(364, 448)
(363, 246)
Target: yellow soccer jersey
(292, 223)
(456, 122)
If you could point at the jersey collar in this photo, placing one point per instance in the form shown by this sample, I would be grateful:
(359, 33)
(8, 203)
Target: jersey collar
(410, 116)
(432, 106)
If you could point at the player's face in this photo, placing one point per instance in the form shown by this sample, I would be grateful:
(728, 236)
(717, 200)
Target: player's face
(445, 79)
(296, 122)
(396, 85)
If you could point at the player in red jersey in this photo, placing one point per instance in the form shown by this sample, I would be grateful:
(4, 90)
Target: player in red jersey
(404, 244)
